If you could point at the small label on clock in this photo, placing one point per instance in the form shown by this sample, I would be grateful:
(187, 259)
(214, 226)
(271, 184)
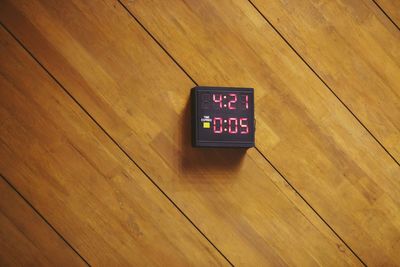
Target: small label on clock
(206, 118)
(206, 122)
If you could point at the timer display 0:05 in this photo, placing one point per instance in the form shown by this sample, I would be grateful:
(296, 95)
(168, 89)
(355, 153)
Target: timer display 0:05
(235, 125)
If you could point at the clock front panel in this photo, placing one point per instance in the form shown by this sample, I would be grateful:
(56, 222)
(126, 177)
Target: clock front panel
(224, 115)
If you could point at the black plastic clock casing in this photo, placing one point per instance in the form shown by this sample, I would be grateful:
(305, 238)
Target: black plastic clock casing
(222, 117)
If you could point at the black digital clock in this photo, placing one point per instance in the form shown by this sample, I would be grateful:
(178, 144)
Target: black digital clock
(222, 117)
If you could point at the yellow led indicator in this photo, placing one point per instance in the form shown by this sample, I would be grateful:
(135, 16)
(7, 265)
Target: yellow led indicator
(206, 124)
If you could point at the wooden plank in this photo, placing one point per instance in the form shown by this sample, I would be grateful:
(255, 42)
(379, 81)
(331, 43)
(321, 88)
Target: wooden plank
(26, 239)
(301, 126)
(392, 9)
(131, 87)
(355, 49)
(80, 181)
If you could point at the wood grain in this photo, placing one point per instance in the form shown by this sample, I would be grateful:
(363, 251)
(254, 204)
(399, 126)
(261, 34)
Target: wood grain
(358, 56)
(392, 9)
(140, 97)
(70, 171)
(301, 126)
(26, 239)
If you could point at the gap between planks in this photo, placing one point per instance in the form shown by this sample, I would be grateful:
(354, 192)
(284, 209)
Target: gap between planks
(322, 80)
(386, 14)
(42, 217)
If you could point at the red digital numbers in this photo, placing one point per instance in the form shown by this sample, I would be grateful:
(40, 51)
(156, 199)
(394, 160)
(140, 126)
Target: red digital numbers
(217, 125)
(246, 97)
(231, 125)
(217, 98)
(229, 101)
(232, 101)
(243, 126)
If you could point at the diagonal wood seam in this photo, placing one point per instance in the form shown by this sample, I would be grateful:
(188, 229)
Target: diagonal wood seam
(386, 14)
(43, 218)
(323, 81)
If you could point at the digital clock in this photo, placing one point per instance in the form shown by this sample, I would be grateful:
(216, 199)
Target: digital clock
(222, 117)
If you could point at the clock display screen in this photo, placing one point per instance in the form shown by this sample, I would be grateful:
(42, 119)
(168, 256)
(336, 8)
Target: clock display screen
(223, 116)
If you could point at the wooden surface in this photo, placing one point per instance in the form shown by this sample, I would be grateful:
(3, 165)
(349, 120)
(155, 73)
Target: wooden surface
(26, 239)
(353, 181)
(62, 162)
(113, 171)
(392, 9)
(357, 56)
